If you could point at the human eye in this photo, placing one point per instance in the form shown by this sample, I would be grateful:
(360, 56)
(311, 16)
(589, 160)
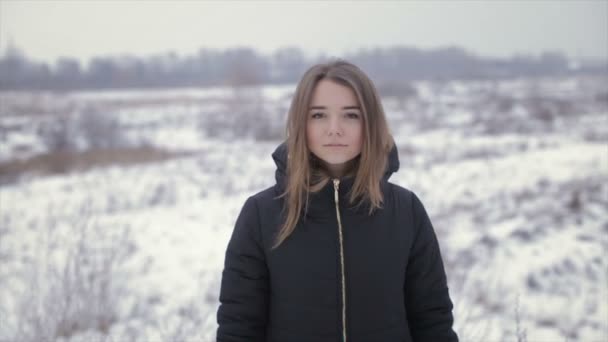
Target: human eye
(352, 115)
(317, 115)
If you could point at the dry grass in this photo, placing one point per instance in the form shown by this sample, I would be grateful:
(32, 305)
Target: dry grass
(72, 286)
(68, 161)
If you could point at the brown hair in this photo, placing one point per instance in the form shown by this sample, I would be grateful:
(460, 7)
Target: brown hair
(303, 175)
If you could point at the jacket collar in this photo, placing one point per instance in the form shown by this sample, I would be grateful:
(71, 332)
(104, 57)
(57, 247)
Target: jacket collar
(322, 203)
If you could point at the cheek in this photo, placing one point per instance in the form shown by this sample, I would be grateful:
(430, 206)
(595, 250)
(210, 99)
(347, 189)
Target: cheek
(310, 134)
(359, 135)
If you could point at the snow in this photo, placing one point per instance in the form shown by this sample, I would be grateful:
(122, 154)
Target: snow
(521, 216)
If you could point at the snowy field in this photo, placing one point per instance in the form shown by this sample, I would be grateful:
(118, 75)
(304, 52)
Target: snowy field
(514, 175)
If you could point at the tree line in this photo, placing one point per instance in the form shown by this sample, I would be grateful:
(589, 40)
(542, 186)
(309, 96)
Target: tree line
(246, 66)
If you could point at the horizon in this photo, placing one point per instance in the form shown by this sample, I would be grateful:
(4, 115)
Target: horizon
(16, 50)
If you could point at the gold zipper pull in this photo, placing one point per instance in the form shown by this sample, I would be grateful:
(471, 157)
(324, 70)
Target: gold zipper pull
(336, 186)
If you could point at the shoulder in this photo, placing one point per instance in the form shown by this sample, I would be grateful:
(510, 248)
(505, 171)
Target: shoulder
(267, 207)
(405, 199)
(265, 196)
(399, 190)
(401, 195)
(266, 201)
(257, 201)
(258, 208)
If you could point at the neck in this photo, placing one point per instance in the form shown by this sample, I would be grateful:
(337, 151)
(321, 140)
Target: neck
(338, 171)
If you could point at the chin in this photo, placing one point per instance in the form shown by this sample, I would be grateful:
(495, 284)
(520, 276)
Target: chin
(337, 160)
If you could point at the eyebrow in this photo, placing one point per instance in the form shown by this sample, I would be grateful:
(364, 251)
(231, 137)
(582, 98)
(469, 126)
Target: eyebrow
(324, 107)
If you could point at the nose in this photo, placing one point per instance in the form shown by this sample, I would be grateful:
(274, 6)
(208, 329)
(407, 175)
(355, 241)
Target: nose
(334, 127)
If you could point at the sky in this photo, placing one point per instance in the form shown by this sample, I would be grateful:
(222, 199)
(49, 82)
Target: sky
(46, 30)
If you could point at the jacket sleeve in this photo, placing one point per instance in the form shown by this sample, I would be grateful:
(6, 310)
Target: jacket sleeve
(242, 314)
(427, 300)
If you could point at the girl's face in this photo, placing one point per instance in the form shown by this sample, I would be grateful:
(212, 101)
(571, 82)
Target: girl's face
(334, 128)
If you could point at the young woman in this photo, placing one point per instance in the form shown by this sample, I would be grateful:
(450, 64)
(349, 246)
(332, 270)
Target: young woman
(333, 251)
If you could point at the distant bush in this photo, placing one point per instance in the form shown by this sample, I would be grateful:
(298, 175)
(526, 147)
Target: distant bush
(86, 128)
(602, 98)
(245, 114)
(401, 91)
(99, 129)
(66, 133)
(59, 133)
(397, 89)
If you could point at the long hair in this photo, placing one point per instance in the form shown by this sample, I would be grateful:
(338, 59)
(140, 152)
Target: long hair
(304, 176)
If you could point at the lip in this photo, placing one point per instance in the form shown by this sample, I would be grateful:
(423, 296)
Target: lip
(335, 145)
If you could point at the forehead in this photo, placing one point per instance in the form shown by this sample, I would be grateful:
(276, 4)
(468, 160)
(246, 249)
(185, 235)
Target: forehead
(330, 93)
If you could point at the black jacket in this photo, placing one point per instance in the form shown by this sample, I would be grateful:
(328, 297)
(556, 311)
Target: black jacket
(376, 278)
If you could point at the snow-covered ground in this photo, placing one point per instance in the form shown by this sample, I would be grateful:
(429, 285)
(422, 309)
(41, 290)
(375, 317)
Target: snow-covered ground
(513, 174)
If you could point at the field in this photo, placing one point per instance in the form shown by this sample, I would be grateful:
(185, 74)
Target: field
(116, 206)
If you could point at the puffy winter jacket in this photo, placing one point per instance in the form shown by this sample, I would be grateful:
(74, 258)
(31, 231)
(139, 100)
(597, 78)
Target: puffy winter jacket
(340, 276)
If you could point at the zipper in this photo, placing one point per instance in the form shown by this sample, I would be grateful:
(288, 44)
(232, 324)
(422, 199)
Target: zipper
(336, 200)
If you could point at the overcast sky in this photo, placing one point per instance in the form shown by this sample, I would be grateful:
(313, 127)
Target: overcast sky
(45, 30)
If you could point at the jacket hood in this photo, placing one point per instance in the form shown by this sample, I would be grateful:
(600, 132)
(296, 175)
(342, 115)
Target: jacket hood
(280, 159)
(326, 194)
